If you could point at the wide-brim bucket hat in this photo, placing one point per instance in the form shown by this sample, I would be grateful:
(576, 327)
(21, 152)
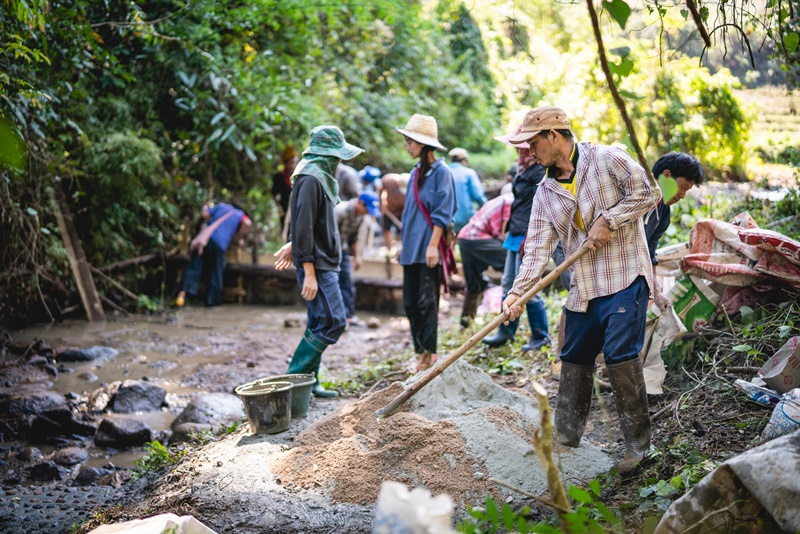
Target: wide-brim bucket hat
(329, 141)
(423, 129)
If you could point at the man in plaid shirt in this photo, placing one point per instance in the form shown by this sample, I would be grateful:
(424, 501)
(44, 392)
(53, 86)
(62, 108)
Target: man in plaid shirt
(481, 244)
(598, 195)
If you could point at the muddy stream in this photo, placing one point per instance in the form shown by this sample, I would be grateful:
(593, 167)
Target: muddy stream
(198, 349)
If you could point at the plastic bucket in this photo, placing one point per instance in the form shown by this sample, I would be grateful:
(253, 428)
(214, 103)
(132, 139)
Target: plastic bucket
(301, 390)
(268, 406)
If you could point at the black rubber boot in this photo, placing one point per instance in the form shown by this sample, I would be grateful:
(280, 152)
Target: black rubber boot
(307, 358)
(573, 402)
(630, 397)
(470, 308)
(505, 333)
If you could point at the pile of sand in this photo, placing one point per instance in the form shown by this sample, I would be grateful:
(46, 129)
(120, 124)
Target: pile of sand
(458, 431)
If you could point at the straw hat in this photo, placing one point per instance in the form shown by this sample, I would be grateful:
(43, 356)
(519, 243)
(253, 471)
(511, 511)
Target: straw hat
(423, 129)
(540, 119)
(329, 141)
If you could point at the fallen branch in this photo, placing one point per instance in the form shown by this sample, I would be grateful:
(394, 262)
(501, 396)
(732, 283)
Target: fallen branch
(543, 445)
(116, 284)
(128, 262)
(781, 221)
(115, 305)
(744, 369)
(531, 495)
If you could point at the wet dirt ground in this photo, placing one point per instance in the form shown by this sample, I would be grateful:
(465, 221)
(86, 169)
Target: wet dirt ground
(198, 349)
(188, 351)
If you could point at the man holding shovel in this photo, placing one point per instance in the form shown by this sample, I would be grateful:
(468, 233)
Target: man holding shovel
(596, 195)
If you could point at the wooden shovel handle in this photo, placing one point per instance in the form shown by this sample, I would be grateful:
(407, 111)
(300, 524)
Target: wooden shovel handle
(439, 368)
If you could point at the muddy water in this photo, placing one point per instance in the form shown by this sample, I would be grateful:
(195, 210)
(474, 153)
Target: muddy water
(164, 349)
(198, 349)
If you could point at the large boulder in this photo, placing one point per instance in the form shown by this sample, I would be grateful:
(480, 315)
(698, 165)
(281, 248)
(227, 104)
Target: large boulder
(21, 405)
(70, 456)
(122, 432)
(47, 471)
(87, 355)
(30, 402)
(58, 422)
(138, 396)
(87, 475)
(217, 409)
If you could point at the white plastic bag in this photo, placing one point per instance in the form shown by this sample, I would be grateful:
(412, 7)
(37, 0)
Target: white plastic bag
(157, 524)
(412, 512)
(785, 417)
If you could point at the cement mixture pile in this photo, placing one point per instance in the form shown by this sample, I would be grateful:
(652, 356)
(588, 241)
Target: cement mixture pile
(451, 437)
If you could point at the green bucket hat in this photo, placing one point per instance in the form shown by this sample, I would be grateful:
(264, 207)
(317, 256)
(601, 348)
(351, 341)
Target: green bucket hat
(329, 141)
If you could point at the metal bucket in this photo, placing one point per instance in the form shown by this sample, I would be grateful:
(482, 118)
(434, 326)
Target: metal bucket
(301, 390)
(268, 406)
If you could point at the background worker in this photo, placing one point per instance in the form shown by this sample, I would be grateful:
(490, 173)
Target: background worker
(282, 182)
(598, 195)
(393, 200)
(316, 248)
(349, 181)
(207, 252)
(429, 208)
(687, 172)
(370, 178)
(524, 186)
(481, 244)
(469, 190)
(349, 216)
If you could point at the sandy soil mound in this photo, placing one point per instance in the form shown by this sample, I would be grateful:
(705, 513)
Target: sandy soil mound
(455, 433)
(324, 473)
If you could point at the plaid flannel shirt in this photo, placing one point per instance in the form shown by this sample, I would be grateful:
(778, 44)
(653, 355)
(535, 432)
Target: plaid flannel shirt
(611, 185)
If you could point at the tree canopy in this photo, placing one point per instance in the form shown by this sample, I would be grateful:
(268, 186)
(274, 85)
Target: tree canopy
(142, 110)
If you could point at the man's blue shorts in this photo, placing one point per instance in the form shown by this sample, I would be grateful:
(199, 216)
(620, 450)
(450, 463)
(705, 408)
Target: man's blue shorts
(613, 324)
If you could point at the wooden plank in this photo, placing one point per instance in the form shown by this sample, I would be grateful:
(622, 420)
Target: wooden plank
(77, 258)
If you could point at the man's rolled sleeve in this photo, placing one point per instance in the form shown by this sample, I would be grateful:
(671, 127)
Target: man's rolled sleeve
(641, 194)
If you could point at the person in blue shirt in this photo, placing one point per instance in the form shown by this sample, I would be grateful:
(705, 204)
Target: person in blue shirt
(370, 178)
(208, 250)
(469, 190)
(429, 207)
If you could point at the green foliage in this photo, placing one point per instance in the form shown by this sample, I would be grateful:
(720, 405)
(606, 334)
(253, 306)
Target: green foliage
(145, 110)
(589, 514)
(659, 494)
(156, 458)
(12, 150)
(619, 11)
(697, 113)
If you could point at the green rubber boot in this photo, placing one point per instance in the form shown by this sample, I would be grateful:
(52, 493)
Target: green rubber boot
(306, 359)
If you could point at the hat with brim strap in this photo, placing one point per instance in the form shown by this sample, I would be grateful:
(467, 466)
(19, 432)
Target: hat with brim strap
(539, 120)
(423, 130)
(329, 141)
